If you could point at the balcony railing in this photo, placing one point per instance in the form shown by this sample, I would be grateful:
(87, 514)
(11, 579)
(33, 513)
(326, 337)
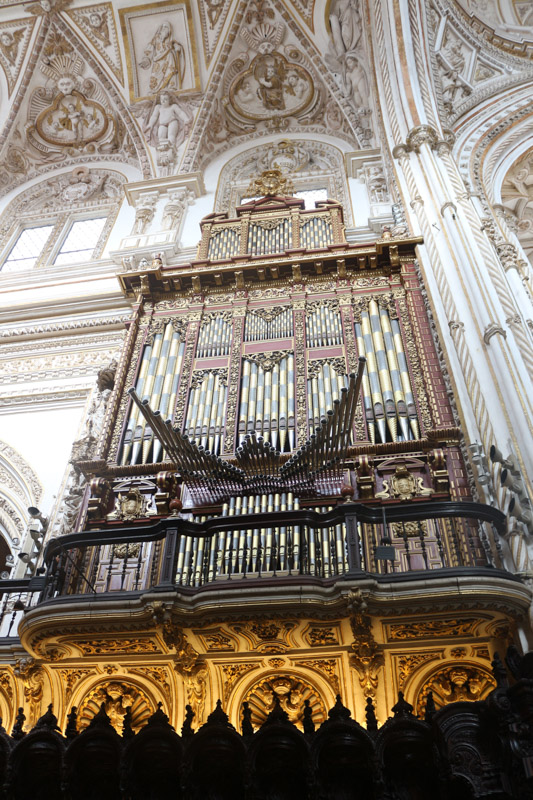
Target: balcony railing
(396, 541)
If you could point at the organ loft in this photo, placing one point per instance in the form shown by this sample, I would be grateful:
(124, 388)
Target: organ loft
(280, 582)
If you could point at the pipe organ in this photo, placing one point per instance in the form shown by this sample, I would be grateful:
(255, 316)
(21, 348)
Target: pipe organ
(274, 493)
(248, 386)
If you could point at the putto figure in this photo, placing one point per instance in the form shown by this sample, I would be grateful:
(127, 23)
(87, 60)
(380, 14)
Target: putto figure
(166, 58)
(168, 121)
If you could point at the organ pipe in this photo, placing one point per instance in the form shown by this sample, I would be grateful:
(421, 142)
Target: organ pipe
(388, 398)
(267, 401)
(206, 411)
(157, 383)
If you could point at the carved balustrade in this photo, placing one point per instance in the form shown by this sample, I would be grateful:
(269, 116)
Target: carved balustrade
(302, 545)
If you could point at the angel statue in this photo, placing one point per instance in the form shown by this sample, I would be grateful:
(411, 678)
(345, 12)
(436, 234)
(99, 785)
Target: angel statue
(166, 121)
(166, 58)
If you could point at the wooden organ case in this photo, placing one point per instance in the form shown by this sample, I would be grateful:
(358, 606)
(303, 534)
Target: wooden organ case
(241, 391)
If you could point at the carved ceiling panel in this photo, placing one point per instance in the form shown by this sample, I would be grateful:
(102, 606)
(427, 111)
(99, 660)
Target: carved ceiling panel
(517, 201)
(14, 40)
(467, 67)
(275, 81)
(97, 23)
(68, 113)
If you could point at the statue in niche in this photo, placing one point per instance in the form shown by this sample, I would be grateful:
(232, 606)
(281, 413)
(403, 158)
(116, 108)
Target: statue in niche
(345, 21)
(168, 122)
(166, 58)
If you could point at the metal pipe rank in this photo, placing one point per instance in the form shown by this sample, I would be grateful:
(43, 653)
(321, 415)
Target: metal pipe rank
(326, 449)
(157, 383)
(267, 402)
(206, 411)
(215, 336)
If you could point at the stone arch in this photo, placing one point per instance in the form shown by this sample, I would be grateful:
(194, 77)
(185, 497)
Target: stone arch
(452, 682)
(309, 162)
(19, 489)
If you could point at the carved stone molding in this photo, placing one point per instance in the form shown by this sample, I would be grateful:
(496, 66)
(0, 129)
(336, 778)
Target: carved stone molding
(491, 330)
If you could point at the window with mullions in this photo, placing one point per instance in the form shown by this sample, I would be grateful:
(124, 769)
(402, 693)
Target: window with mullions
(72, 242)
(80, 241)
(27, 248)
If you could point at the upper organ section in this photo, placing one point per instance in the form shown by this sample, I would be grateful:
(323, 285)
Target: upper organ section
(250, 358)
(270, 227)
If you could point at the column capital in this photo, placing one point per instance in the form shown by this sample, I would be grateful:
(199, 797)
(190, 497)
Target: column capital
(425, 134)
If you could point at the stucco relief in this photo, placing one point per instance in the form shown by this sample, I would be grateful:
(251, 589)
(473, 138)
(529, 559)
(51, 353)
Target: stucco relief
(517, 201)
(270, 82)
(161, 50)
(69, 112)
(14, 40)
(164, 77)
(346, 59)
(271, 86)
(274, 81)
(98, 24)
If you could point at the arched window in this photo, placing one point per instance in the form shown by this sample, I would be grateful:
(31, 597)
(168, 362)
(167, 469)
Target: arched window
(63, 220)
(316, 170)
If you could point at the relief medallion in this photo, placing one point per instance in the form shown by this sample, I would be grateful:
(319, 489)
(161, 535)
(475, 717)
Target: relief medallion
(271, 86)
(72, 120)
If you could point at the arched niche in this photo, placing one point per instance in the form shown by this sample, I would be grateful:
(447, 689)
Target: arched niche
(452, 682)
(20, 488)
(517, 201)
(311, 164)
